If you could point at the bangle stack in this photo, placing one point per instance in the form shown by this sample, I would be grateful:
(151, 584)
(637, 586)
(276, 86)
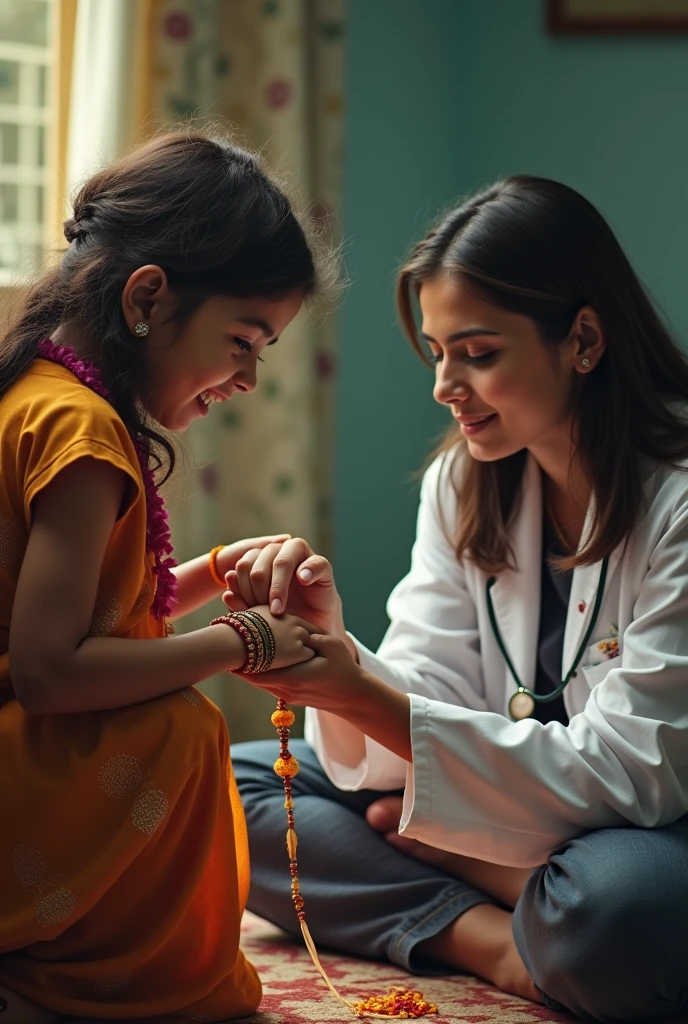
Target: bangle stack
(258, 638)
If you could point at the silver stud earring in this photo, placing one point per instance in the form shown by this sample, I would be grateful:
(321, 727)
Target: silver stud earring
(141, 329)
(584, 362)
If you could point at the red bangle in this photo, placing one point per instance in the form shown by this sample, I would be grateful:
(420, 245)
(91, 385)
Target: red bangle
(212, 565)
(244, 633)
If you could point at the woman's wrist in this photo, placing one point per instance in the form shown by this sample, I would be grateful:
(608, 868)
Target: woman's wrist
(379, 711)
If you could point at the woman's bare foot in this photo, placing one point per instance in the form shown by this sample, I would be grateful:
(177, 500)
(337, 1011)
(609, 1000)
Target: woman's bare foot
(384, 816)
(15, 1009)
(481, 943)
(504, 883)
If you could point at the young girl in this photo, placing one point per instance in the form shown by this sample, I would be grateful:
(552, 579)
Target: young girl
(123, 851)
(531, 693)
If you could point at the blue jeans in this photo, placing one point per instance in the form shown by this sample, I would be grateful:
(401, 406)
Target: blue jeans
(602, 927)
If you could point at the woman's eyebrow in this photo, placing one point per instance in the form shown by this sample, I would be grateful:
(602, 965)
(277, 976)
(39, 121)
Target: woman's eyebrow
(472, 332)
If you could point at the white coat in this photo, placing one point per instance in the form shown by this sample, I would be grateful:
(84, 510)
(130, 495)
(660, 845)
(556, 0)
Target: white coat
(511, 792)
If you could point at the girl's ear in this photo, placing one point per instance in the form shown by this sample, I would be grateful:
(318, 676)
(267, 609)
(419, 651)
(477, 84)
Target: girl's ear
(587, 340)
(146, 297)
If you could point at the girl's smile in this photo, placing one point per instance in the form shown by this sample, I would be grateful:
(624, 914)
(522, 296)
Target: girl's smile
(215, 354)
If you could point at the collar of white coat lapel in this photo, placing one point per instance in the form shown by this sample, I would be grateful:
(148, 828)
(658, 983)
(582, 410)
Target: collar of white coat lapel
(516, 594)
(586, 579)
(584, 584)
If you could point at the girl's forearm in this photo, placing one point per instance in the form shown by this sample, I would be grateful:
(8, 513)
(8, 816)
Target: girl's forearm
(112, 672)
(196, 585)
(382, 713)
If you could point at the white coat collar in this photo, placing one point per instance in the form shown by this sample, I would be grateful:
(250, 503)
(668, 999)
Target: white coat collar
(516, 594)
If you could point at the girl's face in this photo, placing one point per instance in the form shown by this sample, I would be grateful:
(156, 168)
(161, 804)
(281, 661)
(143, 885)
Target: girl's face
(506, 388)
(216, 354)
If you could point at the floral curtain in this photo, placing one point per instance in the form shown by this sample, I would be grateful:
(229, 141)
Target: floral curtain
(273, 69)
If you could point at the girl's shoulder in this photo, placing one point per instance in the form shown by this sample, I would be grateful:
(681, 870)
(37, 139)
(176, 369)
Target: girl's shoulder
(49, 399)
(49, 419)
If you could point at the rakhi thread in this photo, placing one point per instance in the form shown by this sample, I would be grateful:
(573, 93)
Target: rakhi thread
(400, 1003)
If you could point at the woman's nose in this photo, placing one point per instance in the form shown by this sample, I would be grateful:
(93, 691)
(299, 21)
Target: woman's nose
(448, 389)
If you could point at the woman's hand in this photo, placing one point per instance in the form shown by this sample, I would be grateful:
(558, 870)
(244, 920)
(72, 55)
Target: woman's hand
(292, 638)
(327, 681)
(287, 576)
(334, 682)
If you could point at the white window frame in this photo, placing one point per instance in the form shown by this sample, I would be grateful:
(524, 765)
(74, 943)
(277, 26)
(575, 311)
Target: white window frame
(27, 172)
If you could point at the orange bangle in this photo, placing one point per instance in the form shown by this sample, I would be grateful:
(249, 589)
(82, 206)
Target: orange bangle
(212, 565)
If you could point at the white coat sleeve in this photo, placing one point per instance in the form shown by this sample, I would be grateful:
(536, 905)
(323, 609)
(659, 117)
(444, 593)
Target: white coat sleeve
(431, 648)
(511, 792)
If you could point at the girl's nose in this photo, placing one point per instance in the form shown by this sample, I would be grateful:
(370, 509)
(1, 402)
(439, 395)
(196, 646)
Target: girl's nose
(246, 379)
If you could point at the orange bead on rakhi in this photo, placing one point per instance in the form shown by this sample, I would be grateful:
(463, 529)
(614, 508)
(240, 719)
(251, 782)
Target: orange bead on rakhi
(286, 769)
(283, 719)
(399, 1002)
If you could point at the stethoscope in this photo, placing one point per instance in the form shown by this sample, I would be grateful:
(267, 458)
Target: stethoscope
(522, 703)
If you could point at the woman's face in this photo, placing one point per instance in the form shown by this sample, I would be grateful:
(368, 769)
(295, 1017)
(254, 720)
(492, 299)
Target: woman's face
(215, 355)
(506, 388)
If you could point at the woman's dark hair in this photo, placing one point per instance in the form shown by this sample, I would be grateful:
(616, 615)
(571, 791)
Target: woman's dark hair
(192, 203)
(535, 247)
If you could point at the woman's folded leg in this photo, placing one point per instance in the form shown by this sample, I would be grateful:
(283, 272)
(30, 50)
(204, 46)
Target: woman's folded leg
(362, 896)
(603, 926)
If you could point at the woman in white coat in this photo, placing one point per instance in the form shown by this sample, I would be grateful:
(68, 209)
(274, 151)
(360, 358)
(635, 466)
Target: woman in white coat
(531, 694)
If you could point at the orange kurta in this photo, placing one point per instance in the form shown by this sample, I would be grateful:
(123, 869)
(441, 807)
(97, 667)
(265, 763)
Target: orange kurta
(123, 852)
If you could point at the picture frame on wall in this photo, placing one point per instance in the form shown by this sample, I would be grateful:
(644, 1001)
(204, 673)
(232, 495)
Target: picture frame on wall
(617, 17)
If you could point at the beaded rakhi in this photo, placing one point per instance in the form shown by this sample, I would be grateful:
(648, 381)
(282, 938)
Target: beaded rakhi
(399, 1002)
(157, 527)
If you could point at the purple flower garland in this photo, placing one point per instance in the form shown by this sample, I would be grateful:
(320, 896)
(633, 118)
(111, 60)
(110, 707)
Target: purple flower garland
(157, 526)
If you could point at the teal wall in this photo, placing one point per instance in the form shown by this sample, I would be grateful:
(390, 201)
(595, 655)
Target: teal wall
(444, 97)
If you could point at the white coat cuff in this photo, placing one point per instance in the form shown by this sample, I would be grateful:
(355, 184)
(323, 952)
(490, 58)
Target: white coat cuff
(416, 809)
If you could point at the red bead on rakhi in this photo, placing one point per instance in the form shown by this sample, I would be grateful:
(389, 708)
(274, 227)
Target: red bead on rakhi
(157, 528)
(399, 1002)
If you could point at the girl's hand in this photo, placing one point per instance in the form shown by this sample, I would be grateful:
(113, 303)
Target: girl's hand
(292, 638)
(329, 681)
(227, 559)
(287, 576)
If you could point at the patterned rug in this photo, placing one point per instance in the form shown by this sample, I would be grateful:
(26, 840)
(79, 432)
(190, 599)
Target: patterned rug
(294, 993)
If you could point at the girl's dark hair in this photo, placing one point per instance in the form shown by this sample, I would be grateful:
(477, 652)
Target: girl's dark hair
(536, 247)
(198, 206)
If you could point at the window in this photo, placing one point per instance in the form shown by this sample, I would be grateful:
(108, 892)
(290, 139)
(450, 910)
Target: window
(24, 122)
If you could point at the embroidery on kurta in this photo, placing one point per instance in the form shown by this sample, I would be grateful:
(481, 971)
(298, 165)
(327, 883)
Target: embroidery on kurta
(193, 697)
(32, 872)
(150, 807)
(12, 546)
(122, 777)
(110, 984)
(106, 615)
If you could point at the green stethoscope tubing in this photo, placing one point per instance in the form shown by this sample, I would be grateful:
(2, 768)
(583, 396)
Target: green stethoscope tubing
(543, 698)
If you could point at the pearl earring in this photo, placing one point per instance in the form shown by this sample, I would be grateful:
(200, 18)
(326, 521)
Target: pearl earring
(584, 362)
(141, 329)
